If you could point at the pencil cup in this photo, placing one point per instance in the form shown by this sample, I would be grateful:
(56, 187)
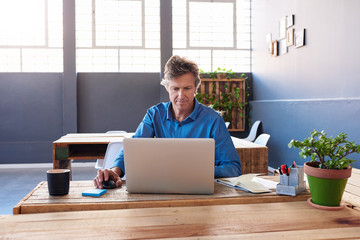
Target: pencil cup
(292, 184)
(58, 181)
(284, 180)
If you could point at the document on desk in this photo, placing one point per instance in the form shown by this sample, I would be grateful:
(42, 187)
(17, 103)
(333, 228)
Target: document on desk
(246, 182)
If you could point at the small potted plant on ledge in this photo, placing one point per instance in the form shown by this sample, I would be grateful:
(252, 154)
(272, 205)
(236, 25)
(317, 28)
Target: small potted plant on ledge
(329, 168)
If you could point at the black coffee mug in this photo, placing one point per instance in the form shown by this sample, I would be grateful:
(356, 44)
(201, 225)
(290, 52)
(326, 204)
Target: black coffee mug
(58, 181)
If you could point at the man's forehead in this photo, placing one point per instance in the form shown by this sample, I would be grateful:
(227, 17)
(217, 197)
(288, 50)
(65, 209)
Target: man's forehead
(180, 84)
(183, 81)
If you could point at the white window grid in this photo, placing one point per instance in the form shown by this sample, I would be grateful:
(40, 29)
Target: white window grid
(228, 46)
(111, 39)
(31, 36)
(46, 54)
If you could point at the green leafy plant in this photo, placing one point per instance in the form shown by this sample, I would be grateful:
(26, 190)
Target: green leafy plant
(228, 73)
(228, 101)
(326, 152)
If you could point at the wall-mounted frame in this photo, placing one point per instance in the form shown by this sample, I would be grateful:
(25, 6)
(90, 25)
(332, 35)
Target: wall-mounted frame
(275, 48)
(290, 37)
(282, 47)
(299, 38)
(282, 28)
(287, 37)
(290, 20)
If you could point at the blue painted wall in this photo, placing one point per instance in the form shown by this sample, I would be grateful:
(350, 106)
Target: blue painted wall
(30, 116)
(32, 109)
(313, 87)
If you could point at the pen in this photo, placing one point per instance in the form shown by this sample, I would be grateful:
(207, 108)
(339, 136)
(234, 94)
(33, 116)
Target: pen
(286, 170)
(295, 165)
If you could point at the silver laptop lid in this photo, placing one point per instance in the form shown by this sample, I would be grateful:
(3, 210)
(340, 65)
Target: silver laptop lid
(169, 165)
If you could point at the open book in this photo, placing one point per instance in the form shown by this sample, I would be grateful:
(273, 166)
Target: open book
(246, 182)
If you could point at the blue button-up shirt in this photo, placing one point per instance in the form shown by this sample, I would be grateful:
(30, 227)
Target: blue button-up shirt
(203, 122)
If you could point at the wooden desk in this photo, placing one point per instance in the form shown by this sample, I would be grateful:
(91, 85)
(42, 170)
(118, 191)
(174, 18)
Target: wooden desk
(82, 146)
(352, 190)
(39, 200)
(254, 157)
(285, 220)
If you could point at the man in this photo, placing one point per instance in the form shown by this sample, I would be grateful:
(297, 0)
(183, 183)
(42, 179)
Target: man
(182, 117)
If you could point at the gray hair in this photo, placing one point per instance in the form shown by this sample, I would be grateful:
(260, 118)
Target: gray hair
(177, 66)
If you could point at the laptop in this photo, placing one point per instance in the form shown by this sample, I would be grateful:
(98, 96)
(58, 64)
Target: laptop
(169, 165)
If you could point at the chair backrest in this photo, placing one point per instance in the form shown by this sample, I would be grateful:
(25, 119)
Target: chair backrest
(112, 151)
(262, 139)
(116, 131)
(253, 131)
(101, 163)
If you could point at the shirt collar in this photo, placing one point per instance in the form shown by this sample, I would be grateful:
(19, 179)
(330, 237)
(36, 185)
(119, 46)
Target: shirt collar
(192, 116)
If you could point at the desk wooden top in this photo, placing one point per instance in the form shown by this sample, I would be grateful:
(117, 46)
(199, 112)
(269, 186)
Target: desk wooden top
(97, 138)
(39, 200)
(93, 138)
(285, 220)
(352, 190)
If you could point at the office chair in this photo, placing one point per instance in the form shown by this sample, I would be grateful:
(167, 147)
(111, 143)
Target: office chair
(112, 151)
(253, 131)
(262, 139)
(107, 162)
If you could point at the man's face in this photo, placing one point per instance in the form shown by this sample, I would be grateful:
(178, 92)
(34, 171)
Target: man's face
(182, 92)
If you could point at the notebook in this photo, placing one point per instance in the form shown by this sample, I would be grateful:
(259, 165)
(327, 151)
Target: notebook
(169, 165)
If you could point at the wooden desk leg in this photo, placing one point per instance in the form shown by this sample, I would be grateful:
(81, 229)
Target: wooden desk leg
(61, 158)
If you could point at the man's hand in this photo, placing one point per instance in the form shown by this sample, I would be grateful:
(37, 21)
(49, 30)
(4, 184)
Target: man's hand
(105, 175)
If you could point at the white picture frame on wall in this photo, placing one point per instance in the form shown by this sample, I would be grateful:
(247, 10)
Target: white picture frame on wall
(299, 38)
(290, 20)
(282, 47)
(282, 28)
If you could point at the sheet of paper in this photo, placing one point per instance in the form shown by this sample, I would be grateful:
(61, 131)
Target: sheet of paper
(267, 183)
(245, 182)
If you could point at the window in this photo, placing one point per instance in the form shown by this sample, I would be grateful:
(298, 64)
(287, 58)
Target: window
(213, 33)
(123, 36)
(118, 36)
(31, 36)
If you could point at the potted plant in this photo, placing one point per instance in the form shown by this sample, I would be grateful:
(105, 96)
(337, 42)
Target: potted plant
(329, 168)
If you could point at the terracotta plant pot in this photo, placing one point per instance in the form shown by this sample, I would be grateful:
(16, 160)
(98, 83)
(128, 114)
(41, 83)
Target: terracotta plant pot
(326, 185)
